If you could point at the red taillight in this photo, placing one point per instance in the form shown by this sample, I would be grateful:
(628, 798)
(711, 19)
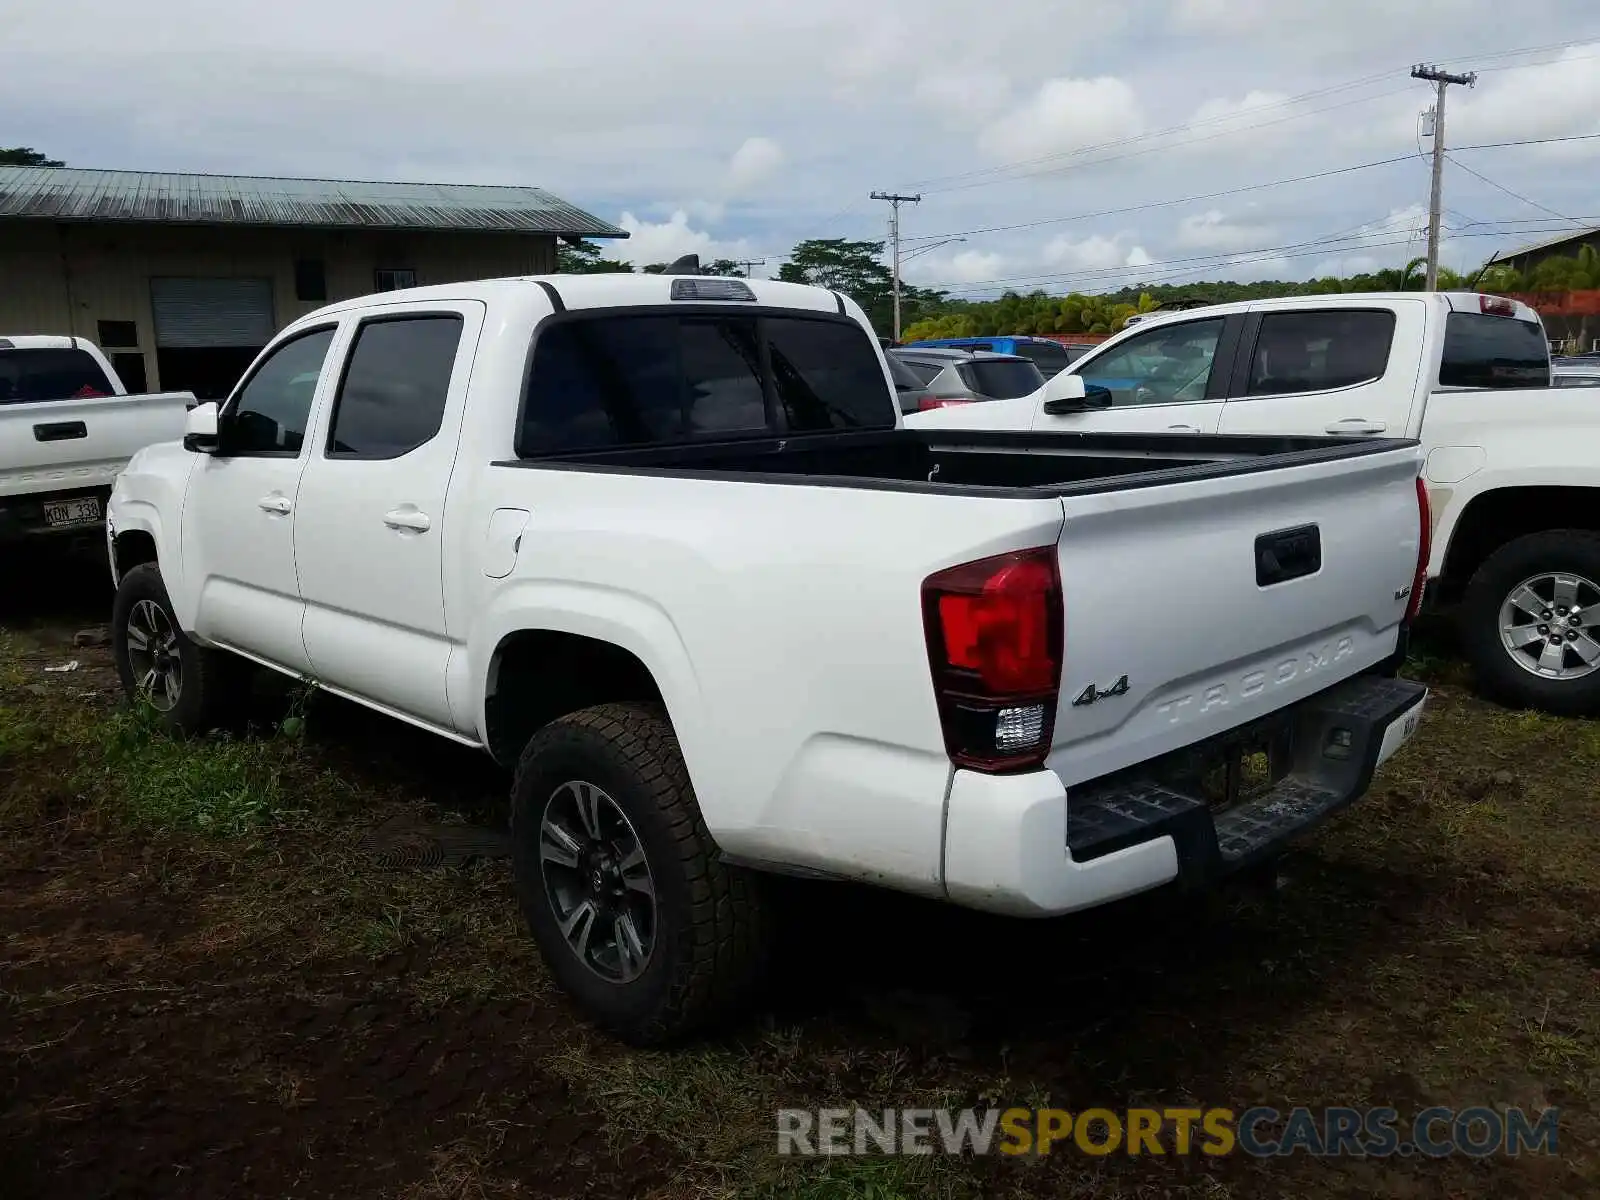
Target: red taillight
(995, 630)
(1497, 306)
(929, 403)
(1424, 551)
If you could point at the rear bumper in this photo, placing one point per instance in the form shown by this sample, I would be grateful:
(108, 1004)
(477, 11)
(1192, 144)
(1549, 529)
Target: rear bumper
(23, 517)
(1021, 844)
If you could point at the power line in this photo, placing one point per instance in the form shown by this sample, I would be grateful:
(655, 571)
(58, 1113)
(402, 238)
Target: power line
(1514, 195)
(1111, 212)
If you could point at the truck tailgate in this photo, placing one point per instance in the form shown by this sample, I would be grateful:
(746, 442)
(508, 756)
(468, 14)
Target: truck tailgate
(58, 445)
(1196, 606)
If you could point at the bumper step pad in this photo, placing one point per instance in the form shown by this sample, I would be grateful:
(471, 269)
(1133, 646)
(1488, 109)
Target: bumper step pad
(1336, 736)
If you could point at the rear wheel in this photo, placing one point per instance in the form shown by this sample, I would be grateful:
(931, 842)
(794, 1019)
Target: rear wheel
(635, 914)
(1530, 622)
(191, 688)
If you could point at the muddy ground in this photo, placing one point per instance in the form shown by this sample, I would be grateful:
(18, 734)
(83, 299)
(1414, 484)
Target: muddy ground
(213, 982)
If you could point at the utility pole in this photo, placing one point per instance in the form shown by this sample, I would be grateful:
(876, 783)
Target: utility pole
(1442, 79)
(747, 263)
(895, 201)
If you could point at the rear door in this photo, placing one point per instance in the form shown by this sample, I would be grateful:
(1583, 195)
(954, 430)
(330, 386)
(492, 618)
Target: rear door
(1185, 628)
(1347, 367)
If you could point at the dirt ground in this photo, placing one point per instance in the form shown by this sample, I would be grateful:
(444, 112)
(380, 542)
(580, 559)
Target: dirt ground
(210, 985)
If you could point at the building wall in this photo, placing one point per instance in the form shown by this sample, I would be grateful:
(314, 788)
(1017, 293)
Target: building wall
(64, 279)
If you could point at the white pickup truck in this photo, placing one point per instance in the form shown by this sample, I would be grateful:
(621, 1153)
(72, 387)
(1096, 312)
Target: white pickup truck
(67, 426)
(1513, 464)
(661, 543)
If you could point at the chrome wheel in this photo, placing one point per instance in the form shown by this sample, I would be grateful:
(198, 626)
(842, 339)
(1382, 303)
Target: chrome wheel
(153, 657)
(1550, 625)
(598, 881)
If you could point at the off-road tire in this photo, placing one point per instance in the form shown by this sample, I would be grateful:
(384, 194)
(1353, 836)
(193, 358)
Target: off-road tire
(709, 950)
(212, 680)
(1570, 550)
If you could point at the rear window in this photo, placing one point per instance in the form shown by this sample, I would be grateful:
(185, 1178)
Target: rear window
(1481, 350)
(629, 379)
(1001, 379)
(31, 375)
(1050, 358)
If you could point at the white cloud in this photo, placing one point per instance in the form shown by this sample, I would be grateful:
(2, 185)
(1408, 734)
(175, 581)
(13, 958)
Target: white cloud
(969, 266)
(1222, 110)
(754, 162)
(1064, 115)
(1211, 230)
(1093, 253)
(1553, 100)
(655, 242)
(963, 98)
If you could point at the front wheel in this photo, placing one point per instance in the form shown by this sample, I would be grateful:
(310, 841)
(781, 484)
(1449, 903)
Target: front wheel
(189, 686)
(619, 880)
(1530, 622)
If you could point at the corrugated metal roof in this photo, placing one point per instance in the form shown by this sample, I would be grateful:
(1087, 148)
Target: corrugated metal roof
(71, 194)
(1557, 240)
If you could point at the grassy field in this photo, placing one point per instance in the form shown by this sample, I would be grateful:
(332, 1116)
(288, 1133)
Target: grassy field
(210, 987)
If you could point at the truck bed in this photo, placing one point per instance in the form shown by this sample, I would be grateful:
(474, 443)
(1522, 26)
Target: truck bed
(974, 462)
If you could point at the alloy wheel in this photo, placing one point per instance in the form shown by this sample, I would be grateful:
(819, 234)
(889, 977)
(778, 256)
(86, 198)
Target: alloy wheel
(598, 881)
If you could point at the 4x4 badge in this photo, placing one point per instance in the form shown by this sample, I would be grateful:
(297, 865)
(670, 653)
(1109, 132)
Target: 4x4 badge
(1092, 693)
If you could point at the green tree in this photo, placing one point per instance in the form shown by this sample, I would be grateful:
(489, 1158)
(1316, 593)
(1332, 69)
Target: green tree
(723, 266)
(583, 258)
(26, 156)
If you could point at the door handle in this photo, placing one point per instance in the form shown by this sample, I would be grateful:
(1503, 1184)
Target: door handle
(274, 504)
(1185, 428)
(60, 431)
(1356, 425)
(407, 518)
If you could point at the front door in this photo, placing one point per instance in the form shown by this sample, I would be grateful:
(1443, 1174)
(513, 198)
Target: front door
(1169, 379)
(238, 516)
(369, 524)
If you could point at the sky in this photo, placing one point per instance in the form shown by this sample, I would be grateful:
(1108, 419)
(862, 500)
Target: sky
(1072, 146)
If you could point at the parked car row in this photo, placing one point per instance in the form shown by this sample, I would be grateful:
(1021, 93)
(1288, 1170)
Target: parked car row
(667, 547)
(1511, 469)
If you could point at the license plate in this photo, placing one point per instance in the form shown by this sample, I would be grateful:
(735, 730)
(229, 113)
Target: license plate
(85, 511)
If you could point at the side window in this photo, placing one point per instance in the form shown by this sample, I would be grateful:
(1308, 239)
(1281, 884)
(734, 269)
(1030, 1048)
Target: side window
(922, 370)
(1167, 365)
(1317, 351)
(392, 397)
(272, 410)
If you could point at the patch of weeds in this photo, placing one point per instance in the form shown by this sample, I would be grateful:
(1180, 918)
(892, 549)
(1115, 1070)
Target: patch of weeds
(902, 1177)
(218, 785)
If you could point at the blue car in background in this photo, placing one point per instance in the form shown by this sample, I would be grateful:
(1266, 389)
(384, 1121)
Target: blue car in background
(1051, 357)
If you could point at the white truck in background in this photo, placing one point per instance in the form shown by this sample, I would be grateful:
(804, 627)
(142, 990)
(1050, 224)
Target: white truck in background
(1512, 463)
(67, 426)
(663, 545)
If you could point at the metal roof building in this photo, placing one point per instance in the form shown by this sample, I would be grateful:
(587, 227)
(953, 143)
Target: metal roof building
(182, 279)
(68, 194)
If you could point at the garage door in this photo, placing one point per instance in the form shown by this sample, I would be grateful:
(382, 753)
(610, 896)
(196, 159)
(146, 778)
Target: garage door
(201, 313)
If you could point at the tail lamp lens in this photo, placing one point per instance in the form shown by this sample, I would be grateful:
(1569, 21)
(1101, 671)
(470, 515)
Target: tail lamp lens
(995, 629)
(1419, 581)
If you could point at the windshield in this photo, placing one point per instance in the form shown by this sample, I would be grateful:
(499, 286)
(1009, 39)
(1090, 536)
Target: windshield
(31, 375)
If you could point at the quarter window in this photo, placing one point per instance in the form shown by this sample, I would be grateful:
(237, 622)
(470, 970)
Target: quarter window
(392, 397)
(1318, 351)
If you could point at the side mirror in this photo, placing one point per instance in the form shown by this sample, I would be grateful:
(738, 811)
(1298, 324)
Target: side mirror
(1066, 393)
(200, 429)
